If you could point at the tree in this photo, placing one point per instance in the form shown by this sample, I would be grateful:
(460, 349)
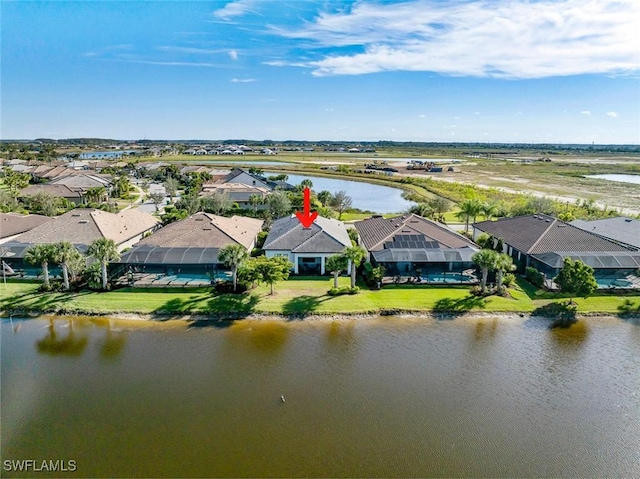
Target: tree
(190, 203)
(355, 254)
(325, 197)
(255, 201)
(104, 250)
(15, 181)
(306, 183)
(41, 254)
(336, 264)
(256, 171)
(504, 264)
(217, 203)
(65, 253)
(279, 204)
(233, 255)
(469, 209)
(265, 270)
(489, 210)
(485, 241)
(171, 186)
(157, 197)
(122, 186)
(439, 206)
(422, 209)
(486, 260)
(341, 202)
(42, 203)
(576, 279)
(96, 194)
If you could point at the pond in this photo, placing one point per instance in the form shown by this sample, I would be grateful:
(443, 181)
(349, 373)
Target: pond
(366, 196)
(621, 178)
(105, 155)
(380, 397)
(243, 162)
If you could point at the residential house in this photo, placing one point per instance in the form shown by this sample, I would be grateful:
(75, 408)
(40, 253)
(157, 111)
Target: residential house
(59, 191)
(238, 175)
(191, 246)
(14, 224)
(625, 231)
(543, 242)
(81, 227)
(238, 193)
(306, 248)
(415, 246)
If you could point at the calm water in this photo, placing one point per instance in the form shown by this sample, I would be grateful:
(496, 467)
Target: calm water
(243, 162)
(366, 196)
(634, 179)
(370, 398)
(107, 155)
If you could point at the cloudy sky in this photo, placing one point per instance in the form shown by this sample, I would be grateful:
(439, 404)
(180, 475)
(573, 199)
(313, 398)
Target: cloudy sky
(542, 71)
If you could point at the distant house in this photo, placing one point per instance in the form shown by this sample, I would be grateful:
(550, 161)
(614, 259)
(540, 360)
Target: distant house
(238, 175)
(543, 242)
(82, 182)
(625, 231)
(238, 193)
(405, 244)
(59, 191)
(14, 224)
(192, 245)
(306, 248)
(81, 227)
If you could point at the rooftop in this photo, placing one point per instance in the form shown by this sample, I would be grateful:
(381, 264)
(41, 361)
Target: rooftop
(326, 235)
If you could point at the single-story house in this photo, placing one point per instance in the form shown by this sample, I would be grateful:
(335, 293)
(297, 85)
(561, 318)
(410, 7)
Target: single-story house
(75, 196)
(238, 175)
(237, 192)
(14, 224)
(191, 246)
(81, 227)
(411, 244)
(542, 242)
(306, 248)
(625, 231)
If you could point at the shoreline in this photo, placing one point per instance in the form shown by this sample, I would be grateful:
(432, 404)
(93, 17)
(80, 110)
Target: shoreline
(313, 317)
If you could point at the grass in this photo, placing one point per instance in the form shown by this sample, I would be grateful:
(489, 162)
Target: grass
(298, 295)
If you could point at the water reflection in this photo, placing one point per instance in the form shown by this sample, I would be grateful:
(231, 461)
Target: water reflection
(341, 336)
(114, 341)
(71, 345)
(483, 332)
(264, 337)
(570, 334)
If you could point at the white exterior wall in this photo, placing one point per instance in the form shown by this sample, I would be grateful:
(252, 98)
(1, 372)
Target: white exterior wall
(246, 179)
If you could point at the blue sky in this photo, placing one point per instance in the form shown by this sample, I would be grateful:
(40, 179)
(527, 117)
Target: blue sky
(561, 71)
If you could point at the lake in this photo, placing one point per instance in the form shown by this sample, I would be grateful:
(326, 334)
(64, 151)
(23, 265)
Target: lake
(366, 196)
(622, 178)
(105, 155)
(382, 397)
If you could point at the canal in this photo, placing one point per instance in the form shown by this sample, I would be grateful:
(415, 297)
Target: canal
(382, 397)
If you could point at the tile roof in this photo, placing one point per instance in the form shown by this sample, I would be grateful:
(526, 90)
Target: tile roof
(82, 181)
(326, 235)
(12, 224)
(206, 230)
(620, 229)
(375, 231)
(84, 225)
(535, 234)
(61, 191)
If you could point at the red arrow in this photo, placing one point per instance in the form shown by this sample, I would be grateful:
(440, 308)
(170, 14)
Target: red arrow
(307, 218)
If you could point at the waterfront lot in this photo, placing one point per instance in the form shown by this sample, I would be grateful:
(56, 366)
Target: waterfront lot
(299, 296)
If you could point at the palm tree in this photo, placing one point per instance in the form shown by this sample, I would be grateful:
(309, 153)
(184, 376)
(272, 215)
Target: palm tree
(489, 210)
(306, 183)
(96, 194)
(504, 264)
(41, 254)
(355, 254)
(469, 209)
(486, 260)
(65, 253)
(336, 264)
(255, 201)
(104, 250)
(233, 255)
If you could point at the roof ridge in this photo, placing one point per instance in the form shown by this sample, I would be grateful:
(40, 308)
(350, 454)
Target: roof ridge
(288, 231)
(320, 230)
(544, 233)
(330, 220)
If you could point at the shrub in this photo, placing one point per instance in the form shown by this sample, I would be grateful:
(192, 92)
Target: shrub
(343, 290)
(535, 277)
(509, 279)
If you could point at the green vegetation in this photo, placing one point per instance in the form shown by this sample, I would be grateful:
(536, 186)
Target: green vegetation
(301, 295)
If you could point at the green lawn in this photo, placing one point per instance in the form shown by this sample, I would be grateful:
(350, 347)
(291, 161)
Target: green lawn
(296, 296)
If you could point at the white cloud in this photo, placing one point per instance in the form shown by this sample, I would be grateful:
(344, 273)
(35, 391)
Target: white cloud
(233, 54)
(612, 114)
(585, 112)
(243, 80)
(233, 9)
(483, 38)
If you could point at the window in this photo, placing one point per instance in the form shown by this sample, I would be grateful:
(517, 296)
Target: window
(308, 260)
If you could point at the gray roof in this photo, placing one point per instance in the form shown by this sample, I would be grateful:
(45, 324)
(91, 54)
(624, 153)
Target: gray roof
(537, 234)
(597, 260)
(376, 231)
(148, 254)
(12, 224)
(326, 235)
(619, 229)
(60, 191)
